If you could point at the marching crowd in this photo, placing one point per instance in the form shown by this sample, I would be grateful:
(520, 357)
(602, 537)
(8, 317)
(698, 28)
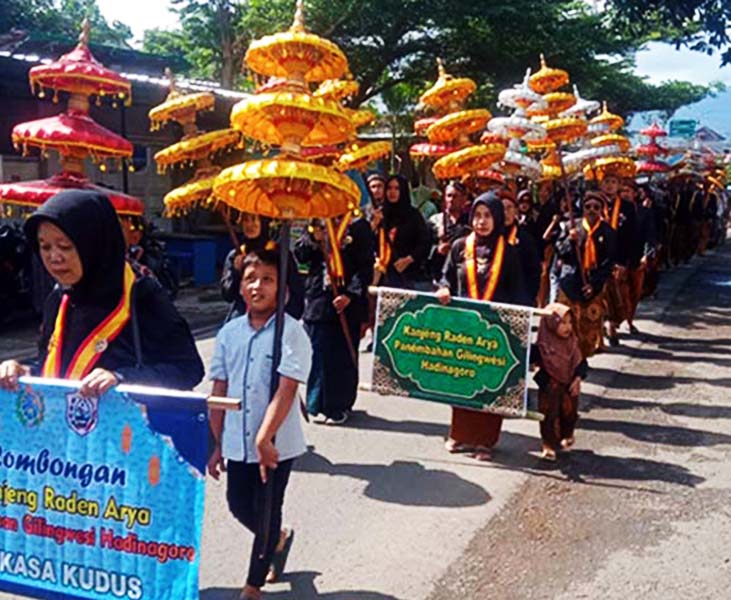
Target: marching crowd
(586, 256)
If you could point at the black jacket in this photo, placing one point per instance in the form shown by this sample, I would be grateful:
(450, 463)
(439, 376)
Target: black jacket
(510, 288)
(530, 261)
(155, 346)
(358, 257)
(570, 280)
(166, 355)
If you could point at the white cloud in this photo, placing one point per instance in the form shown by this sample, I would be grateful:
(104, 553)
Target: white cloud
(139, 15)
(662, 62)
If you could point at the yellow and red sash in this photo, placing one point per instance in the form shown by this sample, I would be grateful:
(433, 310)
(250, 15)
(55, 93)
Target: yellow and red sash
(335, 260)
(614, 220)
(471, 269)
(384, 251)
(513, 235)
(91, 349)
(589, 260)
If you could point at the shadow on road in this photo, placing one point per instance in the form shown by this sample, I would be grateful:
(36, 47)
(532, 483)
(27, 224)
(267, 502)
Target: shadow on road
(581, 465)
(303, 588)
(401, 482)
(360, 419)
(669, 435)
(677, 409)
(625, 380)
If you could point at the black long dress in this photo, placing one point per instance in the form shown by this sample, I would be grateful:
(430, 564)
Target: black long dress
(407, 234)
(333, 383)
(155, 345)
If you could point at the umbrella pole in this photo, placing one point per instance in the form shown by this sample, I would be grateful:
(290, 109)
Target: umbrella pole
(266, 515)
(572, 222)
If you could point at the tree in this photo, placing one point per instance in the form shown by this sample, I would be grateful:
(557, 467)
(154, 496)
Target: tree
(392, 43)
(56, 19)
(701, 25)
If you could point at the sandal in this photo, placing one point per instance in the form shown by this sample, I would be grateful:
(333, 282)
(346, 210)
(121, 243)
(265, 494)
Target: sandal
(482, 453)
(566, 443)
(455, 447)
(279, 560)
(548, 454)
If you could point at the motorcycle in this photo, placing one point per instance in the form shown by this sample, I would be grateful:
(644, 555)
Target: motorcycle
(150, 256)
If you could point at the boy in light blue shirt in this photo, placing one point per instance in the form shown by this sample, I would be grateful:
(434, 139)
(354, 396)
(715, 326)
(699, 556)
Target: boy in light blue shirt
(241, 368)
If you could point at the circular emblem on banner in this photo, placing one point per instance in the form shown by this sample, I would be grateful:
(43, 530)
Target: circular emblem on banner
(30, 407)
(100, 346)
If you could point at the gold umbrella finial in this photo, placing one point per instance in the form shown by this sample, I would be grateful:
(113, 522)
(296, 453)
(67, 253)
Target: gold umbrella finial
(299, 17)
(85, 32)
(440, 67)
(543, 61)
(604, 106)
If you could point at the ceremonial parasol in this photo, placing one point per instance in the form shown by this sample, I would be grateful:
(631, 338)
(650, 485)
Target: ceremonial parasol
(521, 96)
(360, 157)
(195, 149)
(547, 79)
(448, 91)
(582, 107)
(457, 124)
(553, 103)
(199, 147)
(467, 160)
(606, 120)
(73, 134)
(288, 187)
(360, 118)
(337, 89)
(78, 72)
(621, 166)
(31, 194)
(421, 125)
(426, 150)
(611, 139)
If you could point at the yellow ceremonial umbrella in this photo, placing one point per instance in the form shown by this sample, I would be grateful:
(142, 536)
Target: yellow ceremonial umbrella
(467, 160)
(547, 79)
(457, 124)
(448, 90)
(361, 157)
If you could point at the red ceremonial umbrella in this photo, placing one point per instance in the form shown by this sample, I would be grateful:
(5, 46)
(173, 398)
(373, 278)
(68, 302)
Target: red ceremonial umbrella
(71, 133)
(31, 194)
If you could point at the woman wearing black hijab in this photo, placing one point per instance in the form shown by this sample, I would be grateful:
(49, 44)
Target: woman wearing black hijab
(403, 241)
(481, 266)
(256, 237)
(102, 323)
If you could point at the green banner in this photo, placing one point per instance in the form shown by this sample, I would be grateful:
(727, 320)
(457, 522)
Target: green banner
(470, 354)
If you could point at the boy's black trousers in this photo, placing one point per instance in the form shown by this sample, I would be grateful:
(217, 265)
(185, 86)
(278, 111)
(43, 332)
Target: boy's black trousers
(245, 495)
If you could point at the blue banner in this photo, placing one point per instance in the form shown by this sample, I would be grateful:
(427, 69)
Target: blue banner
(101, 497)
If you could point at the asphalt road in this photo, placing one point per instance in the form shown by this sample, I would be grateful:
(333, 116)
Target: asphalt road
(640, 508)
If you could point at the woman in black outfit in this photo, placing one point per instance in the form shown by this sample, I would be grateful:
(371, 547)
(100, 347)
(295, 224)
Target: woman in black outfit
(481, 266)
(102, 323)
(256, 237)
(403, 238)
(333, 383)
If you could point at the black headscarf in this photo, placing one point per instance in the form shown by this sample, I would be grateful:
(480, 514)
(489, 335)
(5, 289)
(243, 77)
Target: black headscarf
(259, 242)
(494, 204)
(89, 220)
(395, 213)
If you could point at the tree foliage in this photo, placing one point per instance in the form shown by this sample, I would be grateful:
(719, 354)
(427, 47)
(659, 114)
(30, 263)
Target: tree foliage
(702, 25)
(62, 19)
(395, 44)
